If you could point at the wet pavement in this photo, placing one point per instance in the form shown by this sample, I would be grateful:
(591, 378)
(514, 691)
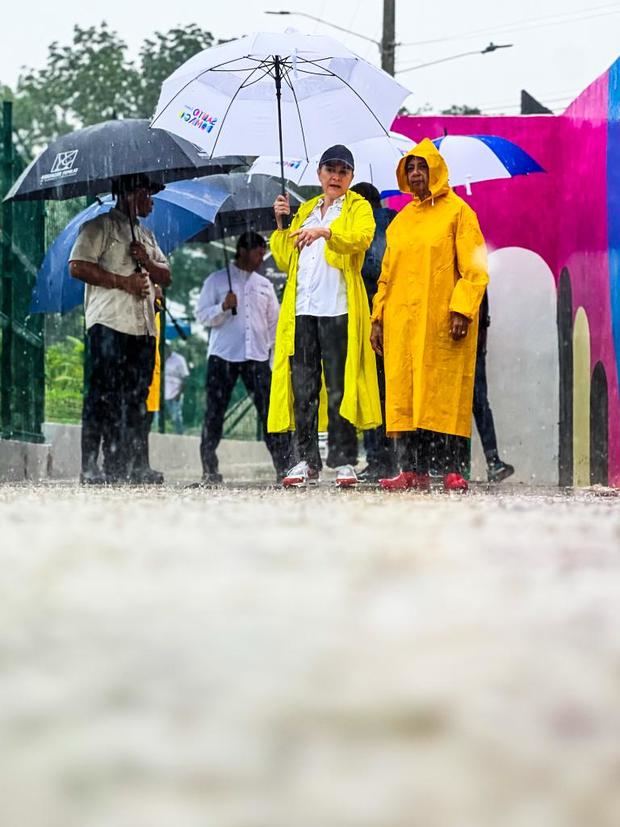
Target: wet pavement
(251, 657)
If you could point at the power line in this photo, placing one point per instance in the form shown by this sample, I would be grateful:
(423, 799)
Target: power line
(539, 22)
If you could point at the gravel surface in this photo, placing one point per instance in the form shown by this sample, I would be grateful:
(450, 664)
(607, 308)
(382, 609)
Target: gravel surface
(262, 658)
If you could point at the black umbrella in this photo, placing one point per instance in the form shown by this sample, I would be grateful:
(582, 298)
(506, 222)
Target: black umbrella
(248, 207)
(87, 161)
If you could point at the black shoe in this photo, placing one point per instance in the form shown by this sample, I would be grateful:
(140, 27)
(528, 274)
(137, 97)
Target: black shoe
(499, 470)
(146, 476)
(211, 479)
(92, 476)
(373, 473)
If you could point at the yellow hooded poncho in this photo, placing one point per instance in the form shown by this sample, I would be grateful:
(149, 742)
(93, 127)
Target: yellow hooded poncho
(351, 235)
(435, 263)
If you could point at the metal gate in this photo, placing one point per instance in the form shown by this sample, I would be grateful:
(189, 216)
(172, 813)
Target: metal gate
(22, 346)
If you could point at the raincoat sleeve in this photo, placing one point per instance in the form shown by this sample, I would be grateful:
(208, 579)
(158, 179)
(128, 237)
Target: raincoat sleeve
(382, 283)
(471, 259)
(273, 311)
(209, 308)
(354, 236)
(281, 248)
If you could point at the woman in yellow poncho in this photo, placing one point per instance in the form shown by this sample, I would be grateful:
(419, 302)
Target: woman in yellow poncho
(425, 321)
(324, 326)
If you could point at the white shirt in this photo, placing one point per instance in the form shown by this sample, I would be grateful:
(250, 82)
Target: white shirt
(321, 289)
(175, 372)
(105, 241)
(251, 333)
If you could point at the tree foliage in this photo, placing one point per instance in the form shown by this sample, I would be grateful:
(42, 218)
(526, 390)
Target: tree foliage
(160, 55)
(461, 109)
(92, 79)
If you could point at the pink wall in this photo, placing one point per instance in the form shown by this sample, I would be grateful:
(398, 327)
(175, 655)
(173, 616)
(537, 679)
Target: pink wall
(561, 215)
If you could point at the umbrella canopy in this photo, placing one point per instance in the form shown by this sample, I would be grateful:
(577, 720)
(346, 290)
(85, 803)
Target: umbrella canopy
(289, 93)
(184, 211)
(473, 158)
(176, 216)
(249, 206)
(376, 160)
(85, 162)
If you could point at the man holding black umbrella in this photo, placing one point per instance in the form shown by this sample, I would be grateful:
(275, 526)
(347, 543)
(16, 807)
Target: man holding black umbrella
(119, 261)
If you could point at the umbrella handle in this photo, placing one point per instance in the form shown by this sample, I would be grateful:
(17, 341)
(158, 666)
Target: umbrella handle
(137, 268)
(225, 251)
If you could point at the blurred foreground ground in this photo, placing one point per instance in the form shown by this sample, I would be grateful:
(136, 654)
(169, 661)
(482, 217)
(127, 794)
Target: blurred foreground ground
(261, 658)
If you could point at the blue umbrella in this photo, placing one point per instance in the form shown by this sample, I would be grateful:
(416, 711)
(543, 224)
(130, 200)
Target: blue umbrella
(182, 329)
(473, 158)
(180, 212)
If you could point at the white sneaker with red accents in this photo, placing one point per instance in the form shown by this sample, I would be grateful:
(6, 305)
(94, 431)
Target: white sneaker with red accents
(300, 476)
(346, 477)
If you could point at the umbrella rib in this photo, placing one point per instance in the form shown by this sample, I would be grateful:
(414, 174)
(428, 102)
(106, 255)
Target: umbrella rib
(230, 103)
(268, 71)
(356, 93)
(199, 75)
(301, 123)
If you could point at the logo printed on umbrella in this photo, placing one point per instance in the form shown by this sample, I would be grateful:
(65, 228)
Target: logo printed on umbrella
(63, 166)
(198, 118)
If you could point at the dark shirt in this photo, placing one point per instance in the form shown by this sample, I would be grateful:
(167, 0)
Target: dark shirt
(371, 269)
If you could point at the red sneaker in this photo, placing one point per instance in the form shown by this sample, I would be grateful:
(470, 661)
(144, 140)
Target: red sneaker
(401, 482)
(455, 482)
(422, 482)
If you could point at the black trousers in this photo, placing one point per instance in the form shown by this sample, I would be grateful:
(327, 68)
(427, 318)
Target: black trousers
(221, 378)
(321, 347)
(483, 414)
(114, 412)
(379, 447)
(432, 452)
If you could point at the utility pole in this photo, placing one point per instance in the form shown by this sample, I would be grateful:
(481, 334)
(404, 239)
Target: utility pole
(388, 41)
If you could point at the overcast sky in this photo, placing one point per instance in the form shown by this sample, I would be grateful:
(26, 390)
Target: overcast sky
(560, 46)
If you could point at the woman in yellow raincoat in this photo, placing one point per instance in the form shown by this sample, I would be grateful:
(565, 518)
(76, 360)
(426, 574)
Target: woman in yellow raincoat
(425, 321)
(324, 325)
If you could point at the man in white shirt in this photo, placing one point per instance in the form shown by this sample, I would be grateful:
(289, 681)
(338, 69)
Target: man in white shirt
(119, 267)
(175, 373)
(240, 344)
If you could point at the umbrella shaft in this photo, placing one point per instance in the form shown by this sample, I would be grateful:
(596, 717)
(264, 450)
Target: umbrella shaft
(278, 73)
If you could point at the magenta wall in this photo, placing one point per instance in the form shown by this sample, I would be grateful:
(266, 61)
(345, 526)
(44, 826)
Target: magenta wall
(561, 215)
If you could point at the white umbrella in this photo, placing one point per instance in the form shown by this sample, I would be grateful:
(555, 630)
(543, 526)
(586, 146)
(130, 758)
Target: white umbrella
(473, 158)
(268, 93)
(376, 160)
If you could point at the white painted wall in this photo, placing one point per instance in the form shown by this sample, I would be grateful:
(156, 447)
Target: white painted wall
(523, 367)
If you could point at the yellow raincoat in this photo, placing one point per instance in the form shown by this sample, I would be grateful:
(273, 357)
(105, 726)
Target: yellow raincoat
(435, 263)
(351, 235)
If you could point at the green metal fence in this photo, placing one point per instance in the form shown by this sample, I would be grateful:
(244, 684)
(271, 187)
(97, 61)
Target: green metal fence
(22, 351)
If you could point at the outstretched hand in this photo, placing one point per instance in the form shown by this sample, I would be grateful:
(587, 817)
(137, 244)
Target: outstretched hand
(308, 235)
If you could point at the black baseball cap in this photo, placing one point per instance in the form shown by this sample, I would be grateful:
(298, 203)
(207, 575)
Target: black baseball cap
(338, 154)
